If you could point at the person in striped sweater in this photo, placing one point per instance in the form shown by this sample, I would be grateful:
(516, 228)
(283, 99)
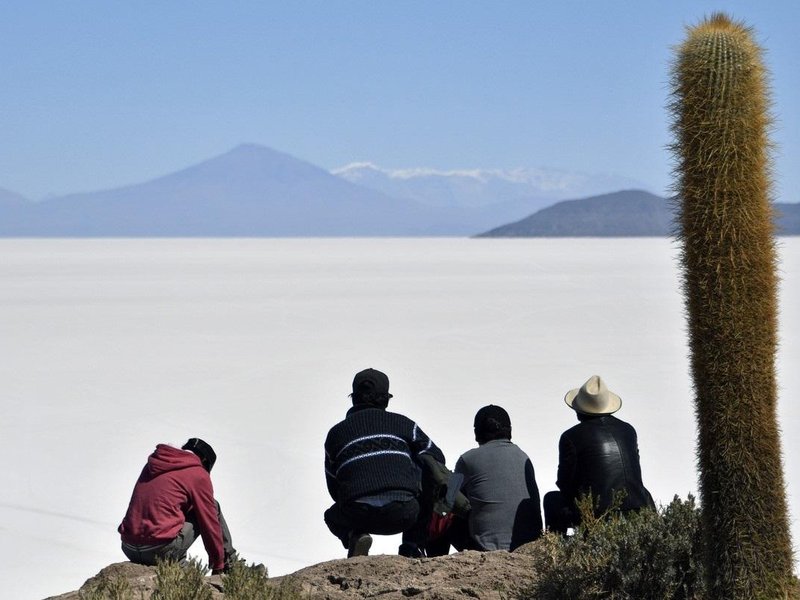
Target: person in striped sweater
(373, 471)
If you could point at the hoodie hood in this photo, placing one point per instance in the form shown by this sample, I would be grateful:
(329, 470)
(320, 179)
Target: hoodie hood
(168, 458)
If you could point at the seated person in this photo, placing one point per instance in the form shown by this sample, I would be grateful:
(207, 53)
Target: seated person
(598, 456)
(373, 471)
(172, 505)
(500, 484)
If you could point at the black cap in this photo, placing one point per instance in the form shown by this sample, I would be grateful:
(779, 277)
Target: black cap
(492, 423)
(371, 381)
(203, 450)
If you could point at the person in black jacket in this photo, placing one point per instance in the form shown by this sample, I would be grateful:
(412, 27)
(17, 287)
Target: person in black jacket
(373, 471)
(599, 457)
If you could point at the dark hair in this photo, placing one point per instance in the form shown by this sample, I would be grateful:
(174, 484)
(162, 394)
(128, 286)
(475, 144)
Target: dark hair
(203, 450)
(492, 423)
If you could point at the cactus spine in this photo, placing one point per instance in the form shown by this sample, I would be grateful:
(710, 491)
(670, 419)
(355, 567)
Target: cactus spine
(721, 118)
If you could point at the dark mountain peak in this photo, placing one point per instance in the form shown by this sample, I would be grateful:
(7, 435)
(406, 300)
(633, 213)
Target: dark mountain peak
(627, 213)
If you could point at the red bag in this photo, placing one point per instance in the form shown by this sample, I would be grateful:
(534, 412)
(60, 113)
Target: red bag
(439, 524)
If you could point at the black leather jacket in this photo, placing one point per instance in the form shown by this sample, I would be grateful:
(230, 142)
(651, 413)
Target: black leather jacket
(600, 455)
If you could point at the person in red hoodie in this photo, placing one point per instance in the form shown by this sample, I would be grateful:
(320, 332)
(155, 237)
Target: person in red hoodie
(172, 504)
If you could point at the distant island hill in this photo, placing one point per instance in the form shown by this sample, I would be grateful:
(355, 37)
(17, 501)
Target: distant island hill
(254, 191)
(629, 213)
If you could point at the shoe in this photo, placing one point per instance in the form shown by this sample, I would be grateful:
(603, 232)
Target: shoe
(360, 544)
(410, 550)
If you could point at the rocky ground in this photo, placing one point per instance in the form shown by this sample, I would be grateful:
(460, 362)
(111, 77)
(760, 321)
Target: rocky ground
(462, 576)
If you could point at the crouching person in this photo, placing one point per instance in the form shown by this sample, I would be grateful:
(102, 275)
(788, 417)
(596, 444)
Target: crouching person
(172, 505)
(599, 457)
(373, 472)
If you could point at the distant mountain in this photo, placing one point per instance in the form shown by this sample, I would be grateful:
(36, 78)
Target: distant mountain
(630, 213)
(256, 191)
(621, 214)
(249, 191)
(259, 192)
(521, 190)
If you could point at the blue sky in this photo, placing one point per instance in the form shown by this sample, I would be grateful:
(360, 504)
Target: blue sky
(103, 93)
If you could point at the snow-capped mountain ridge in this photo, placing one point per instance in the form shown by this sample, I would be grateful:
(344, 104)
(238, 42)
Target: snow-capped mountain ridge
(482, 186)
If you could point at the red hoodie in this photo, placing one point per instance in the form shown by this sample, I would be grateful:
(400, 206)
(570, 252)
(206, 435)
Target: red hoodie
(173, 483)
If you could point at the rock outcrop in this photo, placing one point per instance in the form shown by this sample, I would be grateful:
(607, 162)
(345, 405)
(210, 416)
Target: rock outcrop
(462, 576)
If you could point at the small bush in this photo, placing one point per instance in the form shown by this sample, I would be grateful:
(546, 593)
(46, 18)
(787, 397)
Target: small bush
(181, 582)
(107, 588)
(645, 555)
(244, 582)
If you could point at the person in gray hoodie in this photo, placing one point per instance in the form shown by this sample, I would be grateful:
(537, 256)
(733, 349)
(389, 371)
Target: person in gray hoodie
(500, 483)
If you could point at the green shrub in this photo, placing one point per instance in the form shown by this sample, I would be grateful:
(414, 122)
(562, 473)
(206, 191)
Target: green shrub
(645, 555)
(107, 588)
(181, 582)
(244, 582)
(187, 581)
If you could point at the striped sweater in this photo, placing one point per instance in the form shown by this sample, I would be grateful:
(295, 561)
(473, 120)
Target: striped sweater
(374, 451)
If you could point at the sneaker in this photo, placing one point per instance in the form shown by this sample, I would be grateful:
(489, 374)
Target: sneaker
(410, 550)
(360, 544)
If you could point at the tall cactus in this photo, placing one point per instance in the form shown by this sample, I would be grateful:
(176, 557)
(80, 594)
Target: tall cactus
(721, 119)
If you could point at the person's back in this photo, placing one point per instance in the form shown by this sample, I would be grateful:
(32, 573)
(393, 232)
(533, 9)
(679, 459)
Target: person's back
(170, 480)
(599, 457)
(373, 472)
(172, 504)
(606, 460)
(500, 484)
(373, 451)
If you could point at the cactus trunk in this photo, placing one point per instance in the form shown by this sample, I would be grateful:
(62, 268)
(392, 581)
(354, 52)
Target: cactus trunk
(721, 120)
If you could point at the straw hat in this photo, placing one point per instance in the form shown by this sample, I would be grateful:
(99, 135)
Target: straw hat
(593, 398)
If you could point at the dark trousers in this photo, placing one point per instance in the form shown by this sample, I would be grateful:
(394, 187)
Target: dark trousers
(559, 514)
(396, 517)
